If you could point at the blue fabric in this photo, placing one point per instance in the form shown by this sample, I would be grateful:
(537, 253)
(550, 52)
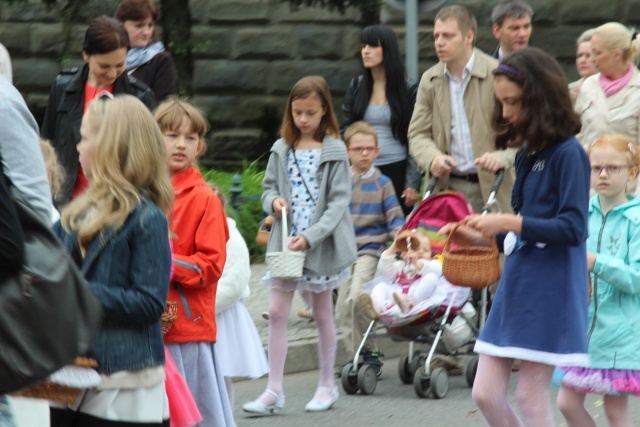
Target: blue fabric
(136, 56)
(614, 309)
(128, 271)
(541, 301)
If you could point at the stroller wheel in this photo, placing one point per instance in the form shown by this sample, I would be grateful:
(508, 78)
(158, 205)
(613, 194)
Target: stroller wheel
(367, 379)
(422, 383)
(439, 383)
(417, 362)
(349, 379)
(404, 371)
(470, 372)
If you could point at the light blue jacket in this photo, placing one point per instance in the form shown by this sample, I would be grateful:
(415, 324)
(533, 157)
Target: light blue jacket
(330, 234)
(614, 309)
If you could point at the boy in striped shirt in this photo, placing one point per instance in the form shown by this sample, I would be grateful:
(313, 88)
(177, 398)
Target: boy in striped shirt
(377, 217)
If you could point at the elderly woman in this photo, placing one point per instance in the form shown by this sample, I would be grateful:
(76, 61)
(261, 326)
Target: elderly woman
(584, 63)
(609, 101)
(147, 60)
(104, 51)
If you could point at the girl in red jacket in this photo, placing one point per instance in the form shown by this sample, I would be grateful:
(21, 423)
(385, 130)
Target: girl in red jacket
(199, 225)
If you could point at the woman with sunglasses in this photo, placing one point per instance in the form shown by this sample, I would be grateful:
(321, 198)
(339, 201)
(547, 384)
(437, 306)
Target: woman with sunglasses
(104, 51)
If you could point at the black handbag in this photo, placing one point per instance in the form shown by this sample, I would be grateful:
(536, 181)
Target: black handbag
(48, 314)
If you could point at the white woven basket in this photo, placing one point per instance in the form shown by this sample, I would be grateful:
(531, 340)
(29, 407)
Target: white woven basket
(287, 264)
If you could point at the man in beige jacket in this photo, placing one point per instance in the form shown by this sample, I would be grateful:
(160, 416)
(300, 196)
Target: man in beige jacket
(450, 134)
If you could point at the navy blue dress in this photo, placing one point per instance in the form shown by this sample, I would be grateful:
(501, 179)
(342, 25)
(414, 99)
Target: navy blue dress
(539, 312)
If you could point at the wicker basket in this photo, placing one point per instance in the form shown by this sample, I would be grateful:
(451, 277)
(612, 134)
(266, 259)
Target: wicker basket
(287, 264)
(264, 229)
(472, 266)
(57, 392)
(169, 316)
(404, 236)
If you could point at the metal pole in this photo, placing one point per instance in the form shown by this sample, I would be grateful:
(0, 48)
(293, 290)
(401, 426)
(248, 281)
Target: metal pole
(411, 38)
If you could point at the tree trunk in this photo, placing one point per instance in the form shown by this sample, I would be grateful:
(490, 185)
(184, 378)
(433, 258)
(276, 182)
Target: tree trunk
(176, 24)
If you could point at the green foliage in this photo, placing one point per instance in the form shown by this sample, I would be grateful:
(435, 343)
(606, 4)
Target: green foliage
(249, 213)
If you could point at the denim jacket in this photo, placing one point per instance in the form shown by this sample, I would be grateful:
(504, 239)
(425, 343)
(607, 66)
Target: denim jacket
(128, 271)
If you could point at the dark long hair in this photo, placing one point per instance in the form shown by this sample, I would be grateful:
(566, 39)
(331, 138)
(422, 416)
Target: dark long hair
(105, 35)
(546, 115)
(396, 81)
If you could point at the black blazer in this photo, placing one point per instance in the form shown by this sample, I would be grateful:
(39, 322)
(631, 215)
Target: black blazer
(159, 73)
(63, 117)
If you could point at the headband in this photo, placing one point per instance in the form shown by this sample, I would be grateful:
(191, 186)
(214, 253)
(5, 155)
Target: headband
(509, 69)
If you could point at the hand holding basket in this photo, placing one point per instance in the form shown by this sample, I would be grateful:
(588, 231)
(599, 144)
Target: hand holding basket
(287, 264)
(470, 266)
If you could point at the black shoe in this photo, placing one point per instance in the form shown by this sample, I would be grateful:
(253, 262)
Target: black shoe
(373, 358)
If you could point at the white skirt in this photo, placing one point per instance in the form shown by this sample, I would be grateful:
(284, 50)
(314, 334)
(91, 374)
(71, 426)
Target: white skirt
(198, 364)
(238, 346)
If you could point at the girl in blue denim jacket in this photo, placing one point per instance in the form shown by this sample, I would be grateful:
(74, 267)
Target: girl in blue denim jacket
(613, 258)
(118, 234)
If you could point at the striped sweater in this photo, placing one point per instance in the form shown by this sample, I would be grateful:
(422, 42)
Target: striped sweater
(376, 214)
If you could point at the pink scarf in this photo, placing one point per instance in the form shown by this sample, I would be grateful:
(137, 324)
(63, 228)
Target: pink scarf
(612, 86)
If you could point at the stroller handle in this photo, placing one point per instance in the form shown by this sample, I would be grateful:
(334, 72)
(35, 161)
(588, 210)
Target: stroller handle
(491, 201)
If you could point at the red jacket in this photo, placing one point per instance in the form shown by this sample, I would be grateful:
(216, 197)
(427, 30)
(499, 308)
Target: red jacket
(199, 224)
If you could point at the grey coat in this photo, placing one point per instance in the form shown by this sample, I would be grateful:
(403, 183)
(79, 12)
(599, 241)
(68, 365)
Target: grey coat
(330, 234)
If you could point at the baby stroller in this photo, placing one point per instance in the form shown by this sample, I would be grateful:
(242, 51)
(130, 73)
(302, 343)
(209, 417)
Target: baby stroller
(445, 327)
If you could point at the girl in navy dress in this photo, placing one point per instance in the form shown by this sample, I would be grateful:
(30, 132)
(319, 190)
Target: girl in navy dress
(539, 314)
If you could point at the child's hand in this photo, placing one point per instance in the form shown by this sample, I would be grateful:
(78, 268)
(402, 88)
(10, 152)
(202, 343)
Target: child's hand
(591, 260)
(278, 204)
(298, 243)
(410, 196)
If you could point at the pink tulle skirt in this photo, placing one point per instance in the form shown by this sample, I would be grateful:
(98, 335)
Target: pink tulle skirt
(598, 381)
(183, 410)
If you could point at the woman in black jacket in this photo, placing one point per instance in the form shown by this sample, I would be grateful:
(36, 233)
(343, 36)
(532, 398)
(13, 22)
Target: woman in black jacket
(147, 60)
(104, 50)
(383, 97)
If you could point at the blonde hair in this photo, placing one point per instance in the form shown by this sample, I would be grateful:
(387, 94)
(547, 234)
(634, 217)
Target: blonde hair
(585, 36)
(303, 89)
(616, 36)
(128, 160)
(360, 127)
(55, 171)
(170, 114)
(621, 143)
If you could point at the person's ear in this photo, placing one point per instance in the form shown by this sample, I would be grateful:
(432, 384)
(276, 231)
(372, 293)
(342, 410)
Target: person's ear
(85, 56)
(496, 31)
(633, 173)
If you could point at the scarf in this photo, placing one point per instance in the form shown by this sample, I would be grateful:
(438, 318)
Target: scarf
(140, 55)
(612, 86)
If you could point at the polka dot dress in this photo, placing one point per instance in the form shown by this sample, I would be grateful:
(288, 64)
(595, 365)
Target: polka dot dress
(302, 208)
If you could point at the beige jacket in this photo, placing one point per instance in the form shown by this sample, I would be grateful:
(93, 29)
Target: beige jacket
(619, 113)
(430, 127)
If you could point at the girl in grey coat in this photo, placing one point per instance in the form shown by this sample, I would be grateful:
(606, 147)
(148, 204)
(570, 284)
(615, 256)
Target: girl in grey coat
(308, 174)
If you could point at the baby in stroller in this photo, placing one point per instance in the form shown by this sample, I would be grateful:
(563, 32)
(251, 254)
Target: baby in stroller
(407, 279)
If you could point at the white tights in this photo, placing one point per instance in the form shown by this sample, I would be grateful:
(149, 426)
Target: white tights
(279, 309)
(533, 393)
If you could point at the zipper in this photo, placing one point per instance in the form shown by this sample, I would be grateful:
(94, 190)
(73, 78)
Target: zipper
(594, 289)
(187, 265)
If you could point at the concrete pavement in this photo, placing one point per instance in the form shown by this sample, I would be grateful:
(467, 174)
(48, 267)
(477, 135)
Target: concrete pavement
(303, 354)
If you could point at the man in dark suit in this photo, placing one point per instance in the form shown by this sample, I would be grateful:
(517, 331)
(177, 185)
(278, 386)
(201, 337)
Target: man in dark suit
(511, 21)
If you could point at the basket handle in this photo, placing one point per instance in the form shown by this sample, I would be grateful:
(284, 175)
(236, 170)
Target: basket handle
(285, 231)
(447, 243)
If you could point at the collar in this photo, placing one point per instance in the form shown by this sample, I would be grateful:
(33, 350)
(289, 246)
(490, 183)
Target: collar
(468, 68)
(500, 53)
(367, 174)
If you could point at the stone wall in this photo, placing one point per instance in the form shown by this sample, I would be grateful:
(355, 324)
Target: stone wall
(248, 53)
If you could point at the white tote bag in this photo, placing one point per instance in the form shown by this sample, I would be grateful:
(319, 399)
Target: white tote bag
(287, 264)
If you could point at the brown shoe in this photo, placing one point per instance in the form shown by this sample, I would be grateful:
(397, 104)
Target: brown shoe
(364, 299)
(447, 362)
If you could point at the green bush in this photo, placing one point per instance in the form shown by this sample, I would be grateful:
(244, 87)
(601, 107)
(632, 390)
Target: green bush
(249, 213)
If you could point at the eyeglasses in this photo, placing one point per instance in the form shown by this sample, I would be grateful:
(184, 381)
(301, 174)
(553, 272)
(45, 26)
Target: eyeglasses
(610, 169)
(362, 150)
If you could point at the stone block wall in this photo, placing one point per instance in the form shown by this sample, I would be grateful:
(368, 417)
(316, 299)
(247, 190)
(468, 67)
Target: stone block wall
(249, 53)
